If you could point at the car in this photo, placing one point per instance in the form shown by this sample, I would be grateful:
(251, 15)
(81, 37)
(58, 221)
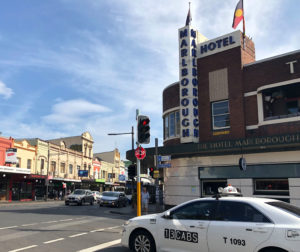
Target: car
(219, 224)
(97, 196)
(80, 197)
(116, 199)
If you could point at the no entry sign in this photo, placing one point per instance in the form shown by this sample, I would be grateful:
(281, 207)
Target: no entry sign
(140, 153)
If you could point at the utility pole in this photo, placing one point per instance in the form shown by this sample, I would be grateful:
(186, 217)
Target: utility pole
(156, 179)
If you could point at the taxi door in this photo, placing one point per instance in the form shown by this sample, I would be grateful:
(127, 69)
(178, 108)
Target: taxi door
(185, 228)
(237, 227)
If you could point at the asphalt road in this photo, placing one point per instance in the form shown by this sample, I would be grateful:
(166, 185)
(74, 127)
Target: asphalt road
(52, 226)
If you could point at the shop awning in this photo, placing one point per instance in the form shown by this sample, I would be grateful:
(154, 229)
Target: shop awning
(8, 169)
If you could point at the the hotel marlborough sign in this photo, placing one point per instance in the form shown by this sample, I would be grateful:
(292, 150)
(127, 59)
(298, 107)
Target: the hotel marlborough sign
(188, 85)
(252, 143)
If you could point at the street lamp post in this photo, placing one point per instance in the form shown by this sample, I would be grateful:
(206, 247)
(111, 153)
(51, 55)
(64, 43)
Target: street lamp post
(126, 133)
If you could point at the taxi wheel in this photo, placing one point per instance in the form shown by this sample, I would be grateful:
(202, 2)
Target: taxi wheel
(142, 241)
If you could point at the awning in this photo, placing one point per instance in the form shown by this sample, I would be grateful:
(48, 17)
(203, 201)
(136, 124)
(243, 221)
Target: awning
(9, 169)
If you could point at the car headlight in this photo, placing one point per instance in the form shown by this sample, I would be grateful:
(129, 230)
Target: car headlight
(293, 234)
(127, 223)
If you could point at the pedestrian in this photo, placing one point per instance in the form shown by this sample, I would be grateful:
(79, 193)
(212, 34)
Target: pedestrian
(60, 195)
(133, 199)
(145, 200)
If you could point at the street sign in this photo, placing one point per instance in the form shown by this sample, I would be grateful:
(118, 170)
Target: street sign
(156, 174)
(165, 165)
(140, 153)
(163, 158)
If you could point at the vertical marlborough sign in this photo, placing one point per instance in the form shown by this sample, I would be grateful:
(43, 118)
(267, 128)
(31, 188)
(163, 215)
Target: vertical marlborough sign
(188, 85)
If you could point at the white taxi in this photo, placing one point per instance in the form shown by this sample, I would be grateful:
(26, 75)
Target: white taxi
(220, 224)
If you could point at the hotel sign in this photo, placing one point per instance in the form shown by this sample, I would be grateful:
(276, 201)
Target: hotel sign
(188, 85)
(220, 44)
(258, 142)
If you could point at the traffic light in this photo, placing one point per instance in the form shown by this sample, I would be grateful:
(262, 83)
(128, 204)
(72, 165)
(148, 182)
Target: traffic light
(143, 129)
(131, 171)
(151, 172)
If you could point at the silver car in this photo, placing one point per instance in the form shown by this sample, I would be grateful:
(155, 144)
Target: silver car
(80, 197)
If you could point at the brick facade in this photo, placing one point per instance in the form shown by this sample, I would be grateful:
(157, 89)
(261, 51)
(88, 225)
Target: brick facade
(244, 76)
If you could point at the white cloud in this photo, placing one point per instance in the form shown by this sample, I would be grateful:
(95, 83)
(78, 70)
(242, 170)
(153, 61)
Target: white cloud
(5, 91)
(73, 111)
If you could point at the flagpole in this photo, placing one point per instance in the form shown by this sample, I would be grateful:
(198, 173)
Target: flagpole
(244, 28)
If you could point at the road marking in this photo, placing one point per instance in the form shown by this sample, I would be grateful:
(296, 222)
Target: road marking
(8, 227)
(102, 229)
(101, 246)
(20, 249)
(98, 230)
(49, 222)
(59, 239)
(31, 224)
(66, 220)
(71, 236)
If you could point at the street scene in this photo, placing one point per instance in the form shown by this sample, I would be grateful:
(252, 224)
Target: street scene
(150, 126)
(52, 226)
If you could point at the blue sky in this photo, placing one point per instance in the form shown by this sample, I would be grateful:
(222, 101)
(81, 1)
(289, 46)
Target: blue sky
(70, 66)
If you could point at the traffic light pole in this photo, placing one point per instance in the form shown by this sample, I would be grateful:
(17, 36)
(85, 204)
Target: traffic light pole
(138, 186)
(156, 179)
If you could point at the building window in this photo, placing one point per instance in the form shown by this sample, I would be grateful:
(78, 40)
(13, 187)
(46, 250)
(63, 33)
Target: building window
(62, 167)
(89, 170)
(70, 169)
(42, 164)
(210, 187)
(28, 163)
(271, 187)
(220, 115)
(281, 102)
(53, 166)
(172, 125)
(19, 162)
(78, 167)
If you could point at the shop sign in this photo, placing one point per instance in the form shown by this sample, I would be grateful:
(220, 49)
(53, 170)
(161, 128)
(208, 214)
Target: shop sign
(36, 176)
(83, 173)
(121, 177)
(100, 180)
(14, 170)
(11, 156)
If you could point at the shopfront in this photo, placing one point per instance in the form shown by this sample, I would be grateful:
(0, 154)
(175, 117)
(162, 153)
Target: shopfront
(15, 184)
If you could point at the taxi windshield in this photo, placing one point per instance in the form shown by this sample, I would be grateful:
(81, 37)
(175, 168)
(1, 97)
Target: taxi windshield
(286, 207)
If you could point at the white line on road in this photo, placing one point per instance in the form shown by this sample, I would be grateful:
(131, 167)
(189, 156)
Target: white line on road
(66, 220)
(98, 230)
(31, 224)
(102, 229)
(101, 246)
(59, 239)
(71, 236)
(8, 227)
(20, 249)
(49, 222)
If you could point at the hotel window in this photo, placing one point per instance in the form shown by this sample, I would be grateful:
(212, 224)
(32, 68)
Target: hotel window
(271, 187)
(78, 167)
(172, 125)
(220, 115)
(62, 167)
(70, 169)
(210, 187)
(281, 102)
(28, 163)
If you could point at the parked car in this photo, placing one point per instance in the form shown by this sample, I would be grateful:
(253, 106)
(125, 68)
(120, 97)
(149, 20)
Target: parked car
(117, 199)
(80, 197)
(97, 195)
